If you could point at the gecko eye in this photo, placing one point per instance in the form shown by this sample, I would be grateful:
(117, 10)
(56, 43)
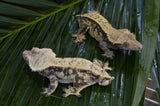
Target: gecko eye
(126, 44)
(33, 51)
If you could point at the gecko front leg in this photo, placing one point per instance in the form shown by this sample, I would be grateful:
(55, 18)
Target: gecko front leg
(80, 35)
(52, 87)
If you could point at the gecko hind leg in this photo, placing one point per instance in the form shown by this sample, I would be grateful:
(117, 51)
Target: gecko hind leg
(80, 35)
(107, 52)
(52, 87)
(79, 85)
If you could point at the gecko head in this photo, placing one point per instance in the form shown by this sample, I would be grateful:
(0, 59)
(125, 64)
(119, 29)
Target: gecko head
(39, 59)
(128, 41)
(79, 18)
(131, 45)
(105, 81)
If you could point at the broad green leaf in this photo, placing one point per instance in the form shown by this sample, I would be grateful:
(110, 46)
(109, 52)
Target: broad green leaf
(52, 28)
(150, 33)
(155, 72)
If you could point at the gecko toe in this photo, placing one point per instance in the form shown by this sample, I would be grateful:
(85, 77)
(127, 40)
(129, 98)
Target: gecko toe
(106, 55)
(64, 89)
(65, 95)
(79, 95)
(46, 91)
(74, 35)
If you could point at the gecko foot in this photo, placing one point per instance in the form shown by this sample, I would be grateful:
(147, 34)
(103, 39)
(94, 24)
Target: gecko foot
(46, 91)
(70, 91)
(109, 55)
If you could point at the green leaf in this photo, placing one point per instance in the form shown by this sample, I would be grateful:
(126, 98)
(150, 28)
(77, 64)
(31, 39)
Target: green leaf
(8, 21)
(150, 33)
(155, 72)
(34, 3)
(37, 19)
(48, 24)
(13, 10)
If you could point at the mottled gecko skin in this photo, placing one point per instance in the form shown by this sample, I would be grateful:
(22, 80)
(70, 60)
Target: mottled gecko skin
(107, 36)
(81, 72)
